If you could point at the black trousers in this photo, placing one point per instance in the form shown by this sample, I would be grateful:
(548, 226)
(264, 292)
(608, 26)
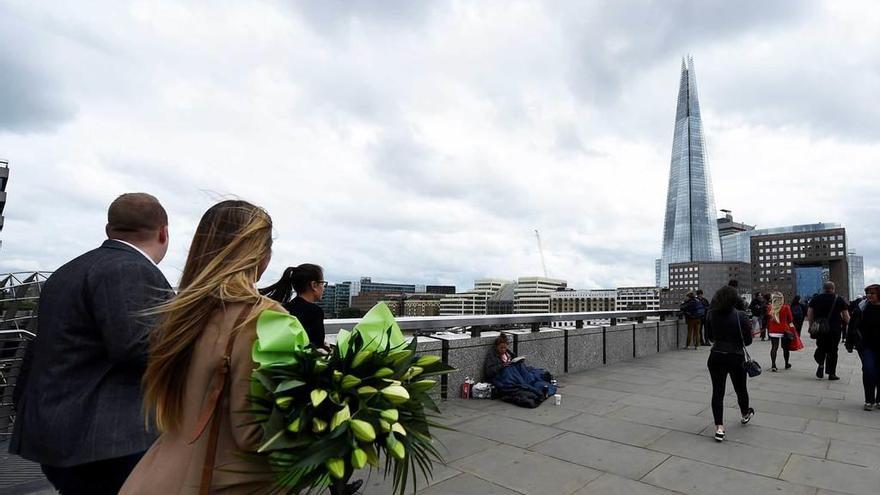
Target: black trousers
(95, 478)
(826, 352)
(720, 365)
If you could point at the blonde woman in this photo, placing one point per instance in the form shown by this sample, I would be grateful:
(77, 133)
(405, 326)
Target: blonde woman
(209, 327)
(779, 322)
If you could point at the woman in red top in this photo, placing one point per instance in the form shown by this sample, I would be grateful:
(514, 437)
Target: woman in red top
(779, 321)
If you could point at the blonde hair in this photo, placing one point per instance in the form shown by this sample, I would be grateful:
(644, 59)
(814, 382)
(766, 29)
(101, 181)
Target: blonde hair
(776, 302)
(232, 243)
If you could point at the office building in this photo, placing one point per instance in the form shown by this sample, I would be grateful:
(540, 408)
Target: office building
(799, 262)
(708, 276)
(472, 302)
(581, 301)
(727, 226)
(501, 302)
(532, 294)
(690, 230)
(737, 246)
(637, 298)
(856, 265)
(4, 178)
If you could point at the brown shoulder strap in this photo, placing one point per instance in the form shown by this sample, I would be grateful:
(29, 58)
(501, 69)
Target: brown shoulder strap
(211, 408)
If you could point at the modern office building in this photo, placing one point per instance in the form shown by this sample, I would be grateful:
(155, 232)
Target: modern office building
(737, 246)
(336, 298)
(501, 302)
(690, 230)
(4, 178)
(366, 284)
(727, 226)
(472, 302)
(581, 301)
(799, 262)
(708, 276)
(532, 294)
(422, 304)
(856, 265)
(637, 298)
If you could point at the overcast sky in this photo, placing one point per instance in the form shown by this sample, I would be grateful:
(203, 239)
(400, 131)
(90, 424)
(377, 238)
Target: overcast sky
(424, 141)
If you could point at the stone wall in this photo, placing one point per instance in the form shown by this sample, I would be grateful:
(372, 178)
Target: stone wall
(559, 350)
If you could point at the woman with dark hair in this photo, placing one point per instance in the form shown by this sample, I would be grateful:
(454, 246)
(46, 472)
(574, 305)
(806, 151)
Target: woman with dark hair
(730, 332)
(307, 280)
(799, 312)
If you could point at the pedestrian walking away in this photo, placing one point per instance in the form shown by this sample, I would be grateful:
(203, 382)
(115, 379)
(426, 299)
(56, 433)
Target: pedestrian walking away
(863, 334)
(705, 302)
(799, 313)
(730, 333)
(757, 308)
(780, 328)
(79, 413)
(827, 315)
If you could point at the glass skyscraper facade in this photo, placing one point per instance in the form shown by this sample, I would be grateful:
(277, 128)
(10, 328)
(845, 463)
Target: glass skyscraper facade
(690, 230)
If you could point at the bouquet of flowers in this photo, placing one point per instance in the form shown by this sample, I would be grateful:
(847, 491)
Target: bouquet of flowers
(325, 416)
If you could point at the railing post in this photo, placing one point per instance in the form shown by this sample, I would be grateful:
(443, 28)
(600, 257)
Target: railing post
(613, 321)
(634, 340)
(658, 337)
(604, 350)
(579, 324)
(444, 378)
(536, 327)
(565, 351)
(475, 332)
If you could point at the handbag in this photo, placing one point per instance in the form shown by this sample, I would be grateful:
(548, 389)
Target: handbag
(821, 326)
(753, 368)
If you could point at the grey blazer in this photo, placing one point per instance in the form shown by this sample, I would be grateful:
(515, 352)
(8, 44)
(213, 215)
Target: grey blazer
(81, 396)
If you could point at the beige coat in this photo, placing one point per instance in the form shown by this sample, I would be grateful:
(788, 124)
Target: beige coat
(172, 465)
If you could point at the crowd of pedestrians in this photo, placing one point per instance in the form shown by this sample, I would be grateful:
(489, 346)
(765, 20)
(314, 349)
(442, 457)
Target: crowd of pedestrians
(830, 320)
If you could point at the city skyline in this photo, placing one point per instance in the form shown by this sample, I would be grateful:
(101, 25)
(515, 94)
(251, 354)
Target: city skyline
(425, 142)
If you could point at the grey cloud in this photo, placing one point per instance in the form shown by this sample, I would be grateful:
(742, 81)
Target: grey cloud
(30, 95)
(29, 98)
(618, 40)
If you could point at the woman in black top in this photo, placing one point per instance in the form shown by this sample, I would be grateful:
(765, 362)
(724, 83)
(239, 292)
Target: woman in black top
(729, 331)
(307, 280)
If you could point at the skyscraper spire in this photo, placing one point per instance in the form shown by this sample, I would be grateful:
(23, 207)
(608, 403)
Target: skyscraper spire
(690, 231)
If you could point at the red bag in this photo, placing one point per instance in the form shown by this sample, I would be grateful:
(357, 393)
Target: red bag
(795, 343)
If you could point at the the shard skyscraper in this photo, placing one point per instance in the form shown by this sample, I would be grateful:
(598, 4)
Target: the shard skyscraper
(690, 232)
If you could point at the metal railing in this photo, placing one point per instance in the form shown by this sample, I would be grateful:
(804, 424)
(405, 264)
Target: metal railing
(476, 323)
(13, 346)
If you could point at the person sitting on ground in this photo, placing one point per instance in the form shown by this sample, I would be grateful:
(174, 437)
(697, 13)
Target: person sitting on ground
(515, 381)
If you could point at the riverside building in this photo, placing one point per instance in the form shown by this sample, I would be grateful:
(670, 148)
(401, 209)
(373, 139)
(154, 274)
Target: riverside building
(799, 262)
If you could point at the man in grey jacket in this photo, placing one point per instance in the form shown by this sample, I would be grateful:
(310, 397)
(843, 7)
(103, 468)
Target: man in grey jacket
(79, 411)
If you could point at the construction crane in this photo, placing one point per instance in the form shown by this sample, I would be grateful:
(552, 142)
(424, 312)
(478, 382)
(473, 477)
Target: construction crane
(541, 252)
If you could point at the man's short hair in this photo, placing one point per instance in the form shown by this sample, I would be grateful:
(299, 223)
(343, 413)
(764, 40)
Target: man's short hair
(733, 282)
(135, 217)
(828, 287)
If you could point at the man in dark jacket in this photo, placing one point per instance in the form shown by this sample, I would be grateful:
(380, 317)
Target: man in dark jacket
(79, 412)
(705, 302)
(834, 309)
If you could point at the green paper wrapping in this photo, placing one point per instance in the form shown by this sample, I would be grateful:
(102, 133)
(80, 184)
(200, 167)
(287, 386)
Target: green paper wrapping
(373, 328)
(278, 336)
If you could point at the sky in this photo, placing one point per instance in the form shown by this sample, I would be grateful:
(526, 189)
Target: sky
(424, 142)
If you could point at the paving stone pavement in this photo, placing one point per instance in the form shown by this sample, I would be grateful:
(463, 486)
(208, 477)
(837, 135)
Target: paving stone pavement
(645, 427)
